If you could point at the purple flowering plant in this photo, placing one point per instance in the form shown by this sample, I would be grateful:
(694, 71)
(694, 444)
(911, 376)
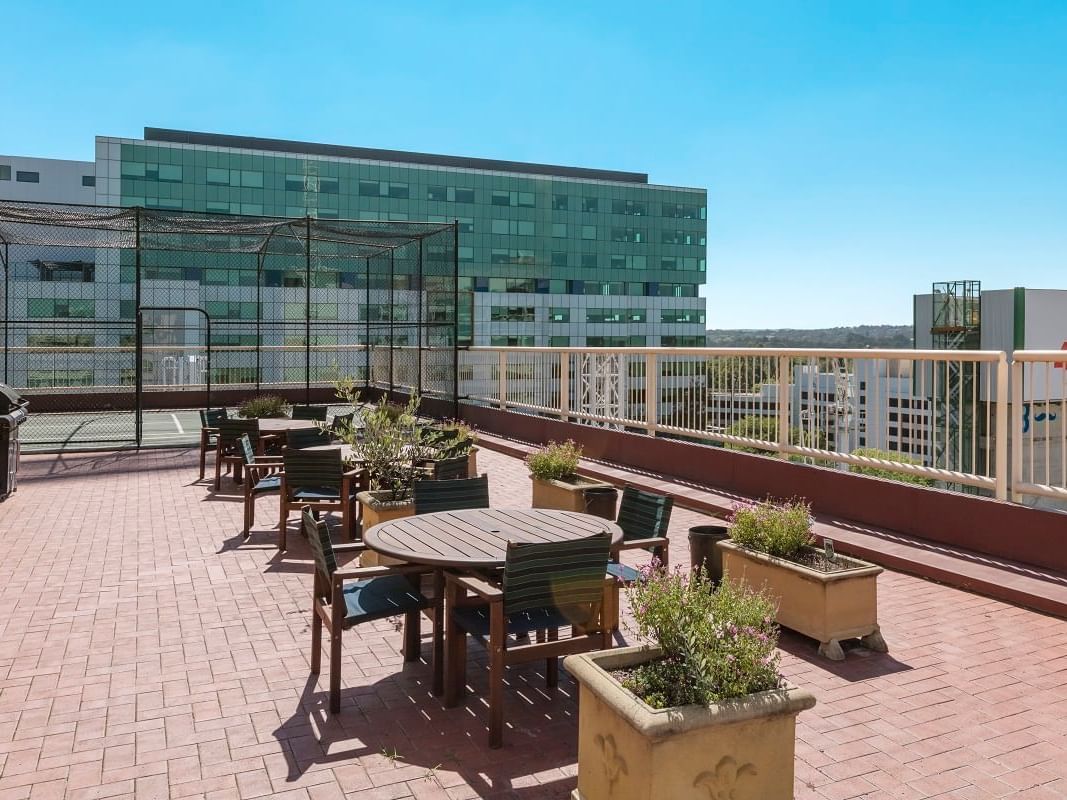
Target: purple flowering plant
(715, 645)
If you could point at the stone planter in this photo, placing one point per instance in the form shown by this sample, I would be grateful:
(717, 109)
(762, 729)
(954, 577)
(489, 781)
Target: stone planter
(567, 496)
(627, 750)
(827, 606)
(377, 510)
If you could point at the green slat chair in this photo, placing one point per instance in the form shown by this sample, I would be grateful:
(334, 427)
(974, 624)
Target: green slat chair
(209, 429)
(344, 598)
(262, 476)
(546, 586)
(450, 469)
(455, 495)
(318, 479)
(644, 518)
(299, 438)
(342, 423)
(227, 448)
(316, 413)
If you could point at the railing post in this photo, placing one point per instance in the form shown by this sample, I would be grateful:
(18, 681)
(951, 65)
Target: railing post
(1016, 435)
(1001, 424)
(502, 390)
(651, 394)
(784, 364)
(564, 384)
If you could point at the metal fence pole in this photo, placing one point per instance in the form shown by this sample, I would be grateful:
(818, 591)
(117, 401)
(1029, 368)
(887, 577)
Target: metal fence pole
(366, 343)
(418, 326)
(784, 440)
(455, 318)
(392, 306)
(1017, 436)
(1003, 435)
(307, 313)
(7, 311)
(138, 332)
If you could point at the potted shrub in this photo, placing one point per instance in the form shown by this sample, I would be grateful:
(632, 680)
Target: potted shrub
(556, 483)
(819, 594)
(264, 406)
(451, 439)
(391, 448)
(702, 711)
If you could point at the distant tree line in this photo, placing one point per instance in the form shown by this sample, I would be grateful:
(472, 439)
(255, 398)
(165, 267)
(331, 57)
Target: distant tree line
(857, 337)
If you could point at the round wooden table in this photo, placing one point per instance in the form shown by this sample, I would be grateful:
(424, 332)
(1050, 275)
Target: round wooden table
(348, 453)
(478, 538)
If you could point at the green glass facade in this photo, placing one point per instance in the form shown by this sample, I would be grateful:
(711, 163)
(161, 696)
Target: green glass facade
(624, 258)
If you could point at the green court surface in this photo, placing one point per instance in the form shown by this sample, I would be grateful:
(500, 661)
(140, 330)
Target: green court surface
(108, 430)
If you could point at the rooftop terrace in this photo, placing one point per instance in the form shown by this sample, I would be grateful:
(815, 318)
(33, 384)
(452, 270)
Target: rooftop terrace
(147, 650)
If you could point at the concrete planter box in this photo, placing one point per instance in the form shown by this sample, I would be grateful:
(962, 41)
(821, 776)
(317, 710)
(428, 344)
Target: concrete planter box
(741, 749)
(472, 462)
(566, 496)
(377, 509)
(827, 606)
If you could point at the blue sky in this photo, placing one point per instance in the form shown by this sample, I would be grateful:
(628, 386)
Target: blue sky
(853, 152)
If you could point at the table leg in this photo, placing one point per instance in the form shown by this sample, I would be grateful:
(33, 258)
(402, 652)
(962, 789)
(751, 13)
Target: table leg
(439, 633)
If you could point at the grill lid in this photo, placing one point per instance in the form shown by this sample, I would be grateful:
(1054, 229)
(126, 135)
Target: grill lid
(10, 399)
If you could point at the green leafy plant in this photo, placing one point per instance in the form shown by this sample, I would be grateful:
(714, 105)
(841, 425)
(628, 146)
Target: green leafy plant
(391, 445)
(888, 455)
(263, 406)
(557, 461)
(449, 439)
(778, 529)
(715, 645)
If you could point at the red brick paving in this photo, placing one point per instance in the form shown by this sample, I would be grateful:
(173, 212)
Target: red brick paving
(146, 651)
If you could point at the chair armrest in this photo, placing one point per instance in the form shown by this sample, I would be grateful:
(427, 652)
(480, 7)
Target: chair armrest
(479, 586)
(644, 544)
(353, 473)
(359, 573)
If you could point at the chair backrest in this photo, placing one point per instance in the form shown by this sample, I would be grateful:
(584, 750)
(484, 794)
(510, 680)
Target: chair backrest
(456, 495)
(231, 429)
(321, 545)
(244, 444)
(644, 515)
(209, 417)
(341, 423)
(299, 438)
(450, 469)
(317, 413)
(568, 576)
(307, 469)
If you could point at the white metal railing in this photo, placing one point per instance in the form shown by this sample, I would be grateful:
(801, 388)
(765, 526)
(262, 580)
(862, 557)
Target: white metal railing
(1039, 408)
(930, 414)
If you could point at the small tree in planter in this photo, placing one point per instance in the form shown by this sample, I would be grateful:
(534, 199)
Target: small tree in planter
(453, 439)
(264, 406)
(556, 483)
(820, 594)
(702, 711)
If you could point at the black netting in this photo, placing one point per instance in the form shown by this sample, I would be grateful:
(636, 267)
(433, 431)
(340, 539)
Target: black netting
(218, 306)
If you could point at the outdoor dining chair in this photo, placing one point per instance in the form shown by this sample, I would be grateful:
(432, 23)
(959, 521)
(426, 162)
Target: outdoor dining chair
(450, 469)
(341, 424)
(299, 438)
(453, 495)
(315, 413)
(644, 518)
(227, 448)
(343, 598)
(318, 479)
(209, 429)
(546, 586)
(262, 476)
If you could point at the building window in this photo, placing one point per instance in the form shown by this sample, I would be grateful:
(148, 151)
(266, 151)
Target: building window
(46, 307)
(559, 202)
(680, 211)
(436, 192)
(512, 314)
(589, 204)
(559, 341)
(690, 316)
(461, 195)
(46, 378)
(559, 230)
(88, 180)
(628, 207)
(682, 237)
(60, 340)
(505, 198)
(589, 231)
(559, 314)
(559, 259)
(66, 271)
(635, 235)
(215, 176)
(5, 172)
(167, 173)
(589, 260)
(511, 341)
(27, 177)
(512, 227)
(329, 186)
(683, 341)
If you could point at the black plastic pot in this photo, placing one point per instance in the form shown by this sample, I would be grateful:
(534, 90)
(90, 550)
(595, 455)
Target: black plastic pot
(702, 549)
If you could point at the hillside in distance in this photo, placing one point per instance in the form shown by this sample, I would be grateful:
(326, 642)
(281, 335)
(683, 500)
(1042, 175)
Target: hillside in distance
(856, 336)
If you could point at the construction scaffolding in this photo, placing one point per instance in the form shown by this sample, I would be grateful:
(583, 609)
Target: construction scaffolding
(957, 325)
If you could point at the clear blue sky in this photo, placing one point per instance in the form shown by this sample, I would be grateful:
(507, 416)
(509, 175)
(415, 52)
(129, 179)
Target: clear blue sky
(853, 152)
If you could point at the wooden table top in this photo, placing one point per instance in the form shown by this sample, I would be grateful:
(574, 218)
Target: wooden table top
(279, 424)
(478, 538)
(348, 453)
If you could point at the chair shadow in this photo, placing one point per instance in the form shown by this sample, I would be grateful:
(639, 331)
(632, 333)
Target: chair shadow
(396, 723)
(859, 664)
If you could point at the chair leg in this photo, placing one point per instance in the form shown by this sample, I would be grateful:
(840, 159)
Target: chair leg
(455, 673)
(283, 522)
(438, 633)
(552, 663)
(412, 635)
(497, 635)
(203, 457)
(316, 636)
(335, 669)
(218, 471)
(611, 607)
(248, 511)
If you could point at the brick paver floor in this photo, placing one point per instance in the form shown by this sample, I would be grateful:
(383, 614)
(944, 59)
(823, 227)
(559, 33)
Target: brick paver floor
(147, 651)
